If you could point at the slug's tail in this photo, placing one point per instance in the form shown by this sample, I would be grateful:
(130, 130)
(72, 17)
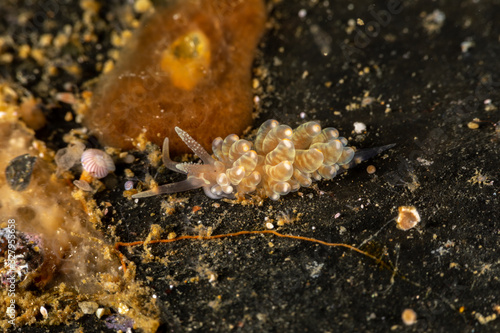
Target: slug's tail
(365, 154)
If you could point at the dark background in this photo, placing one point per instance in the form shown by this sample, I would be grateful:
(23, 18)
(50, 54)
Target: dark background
(447, 268)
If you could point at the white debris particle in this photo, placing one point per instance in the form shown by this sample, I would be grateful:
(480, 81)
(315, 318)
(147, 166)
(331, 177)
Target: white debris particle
(342, 230)
(434, 21)
(314, 269)
(466, 45)
(359, 127)
(122, 308)
(367, 100)
(423, 161)
(99, 312)
(88, 307)
(44, 312)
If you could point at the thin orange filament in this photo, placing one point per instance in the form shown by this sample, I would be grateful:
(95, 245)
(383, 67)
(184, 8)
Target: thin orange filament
(249, 232)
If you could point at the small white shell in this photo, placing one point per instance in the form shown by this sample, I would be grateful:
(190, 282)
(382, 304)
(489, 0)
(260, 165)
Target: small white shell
(359, 127)
(97, 163)
(128, 185)
(99, 312)
(44, 312)
(83, 185)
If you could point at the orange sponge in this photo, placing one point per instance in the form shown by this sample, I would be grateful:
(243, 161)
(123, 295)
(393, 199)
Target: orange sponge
(188, 65)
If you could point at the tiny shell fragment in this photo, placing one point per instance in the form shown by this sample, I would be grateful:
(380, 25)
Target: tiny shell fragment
(359, 127)
(44, 312)
(409, 317)
(371, 169)
(473, 125)
(83, 185)
(408, 217)
(99, 312)
(88, 307)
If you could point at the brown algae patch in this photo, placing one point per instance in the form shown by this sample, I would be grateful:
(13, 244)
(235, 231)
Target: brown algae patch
(188, 65)
(61, 260)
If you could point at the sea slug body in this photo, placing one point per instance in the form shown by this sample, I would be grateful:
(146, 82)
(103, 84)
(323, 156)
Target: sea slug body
(282, 160)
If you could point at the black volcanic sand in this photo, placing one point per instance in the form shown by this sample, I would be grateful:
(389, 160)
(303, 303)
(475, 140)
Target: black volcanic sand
(413, 83)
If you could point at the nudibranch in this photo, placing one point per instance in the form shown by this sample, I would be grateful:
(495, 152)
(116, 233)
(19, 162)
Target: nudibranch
(190, 62)
(282, 160)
